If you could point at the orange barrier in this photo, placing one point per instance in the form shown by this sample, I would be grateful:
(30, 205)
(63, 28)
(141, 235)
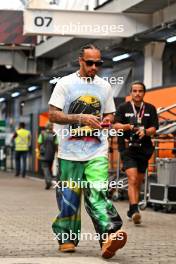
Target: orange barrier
(42, 121)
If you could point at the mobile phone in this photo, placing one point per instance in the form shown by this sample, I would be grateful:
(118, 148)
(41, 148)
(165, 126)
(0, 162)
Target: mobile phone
(105, 124)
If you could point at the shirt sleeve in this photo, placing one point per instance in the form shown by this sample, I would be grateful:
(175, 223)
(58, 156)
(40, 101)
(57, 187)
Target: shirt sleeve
(109, 104)
(154, 119)
(58, 96)
(119, 115)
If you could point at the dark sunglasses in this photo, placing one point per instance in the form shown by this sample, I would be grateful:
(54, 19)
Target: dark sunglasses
(91, 63)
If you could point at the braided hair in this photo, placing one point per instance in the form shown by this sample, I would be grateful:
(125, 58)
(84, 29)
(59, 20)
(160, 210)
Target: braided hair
(88, 46)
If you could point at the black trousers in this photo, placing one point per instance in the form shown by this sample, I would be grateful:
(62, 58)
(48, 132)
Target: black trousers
(20, 156)
(47, 170)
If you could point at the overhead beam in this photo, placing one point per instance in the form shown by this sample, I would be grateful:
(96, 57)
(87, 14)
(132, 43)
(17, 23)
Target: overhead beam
(120, 5)
(165, 15)
(19, 61)
(50, 44)
(73, 23)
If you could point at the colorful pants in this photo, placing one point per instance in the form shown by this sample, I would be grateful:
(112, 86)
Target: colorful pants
(91, 177)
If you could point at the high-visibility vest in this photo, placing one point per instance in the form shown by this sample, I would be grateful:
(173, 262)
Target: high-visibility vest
(22, 140)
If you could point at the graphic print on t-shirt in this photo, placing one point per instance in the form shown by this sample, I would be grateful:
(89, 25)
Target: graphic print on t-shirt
(85, 104)
(73, 95)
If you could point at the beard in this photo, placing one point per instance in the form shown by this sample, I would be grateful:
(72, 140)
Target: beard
(89, 73)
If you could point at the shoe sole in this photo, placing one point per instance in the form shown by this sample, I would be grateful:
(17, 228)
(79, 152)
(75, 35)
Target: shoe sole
(114, 244)
(136, 217)
(69, 250)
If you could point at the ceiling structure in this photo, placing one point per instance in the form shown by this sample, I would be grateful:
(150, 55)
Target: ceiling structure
(61, 56)
(149, 6)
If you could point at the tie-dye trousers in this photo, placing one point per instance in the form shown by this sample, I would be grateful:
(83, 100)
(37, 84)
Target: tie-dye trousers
(91, 178)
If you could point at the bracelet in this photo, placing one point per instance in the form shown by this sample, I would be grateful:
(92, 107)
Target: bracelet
(145, 132)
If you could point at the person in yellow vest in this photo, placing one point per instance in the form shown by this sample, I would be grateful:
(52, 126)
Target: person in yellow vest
(22, 140)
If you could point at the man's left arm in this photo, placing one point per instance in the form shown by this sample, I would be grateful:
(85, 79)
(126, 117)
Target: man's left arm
(150, 131)
(146, 132)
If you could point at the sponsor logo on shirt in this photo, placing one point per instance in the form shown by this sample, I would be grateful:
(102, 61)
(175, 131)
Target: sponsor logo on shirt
(129, 114)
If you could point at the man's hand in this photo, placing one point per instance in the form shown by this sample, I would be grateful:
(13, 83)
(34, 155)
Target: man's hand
(128, 127)
(106, 119)
(90, 120)
(106, 122)
(57, 116)
(140, 133)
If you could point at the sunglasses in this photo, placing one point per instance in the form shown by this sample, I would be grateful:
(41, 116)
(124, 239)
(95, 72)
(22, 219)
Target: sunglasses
(91, 63)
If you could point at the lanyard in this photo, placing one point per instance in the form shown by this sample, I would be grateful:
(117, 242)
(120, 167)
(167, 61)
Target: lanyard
(140, 114)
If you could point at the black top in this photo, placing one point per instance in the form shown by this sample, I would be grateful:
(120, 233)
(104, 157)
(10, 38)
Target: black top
(125, 115)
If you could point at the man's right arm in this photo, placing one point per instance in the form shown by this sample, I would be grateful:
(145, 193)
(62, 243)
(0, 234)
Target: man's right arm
(124, 127)
(57, 116)
(119, 120)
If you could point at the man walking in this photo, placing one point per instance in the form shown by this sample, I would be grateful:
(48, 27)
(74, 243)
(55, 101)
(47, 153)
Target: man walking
(22, 138)
(78, 102)
(47, 141)
(139, 121)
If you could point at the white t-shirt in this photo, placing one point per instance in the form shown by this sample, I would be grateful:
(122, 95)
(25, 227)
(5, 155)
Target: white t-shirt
(95, 98)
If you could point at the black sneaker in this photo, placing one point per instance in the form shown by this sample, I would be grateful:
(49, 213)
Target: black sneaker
(48, 185)
(129, 215)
